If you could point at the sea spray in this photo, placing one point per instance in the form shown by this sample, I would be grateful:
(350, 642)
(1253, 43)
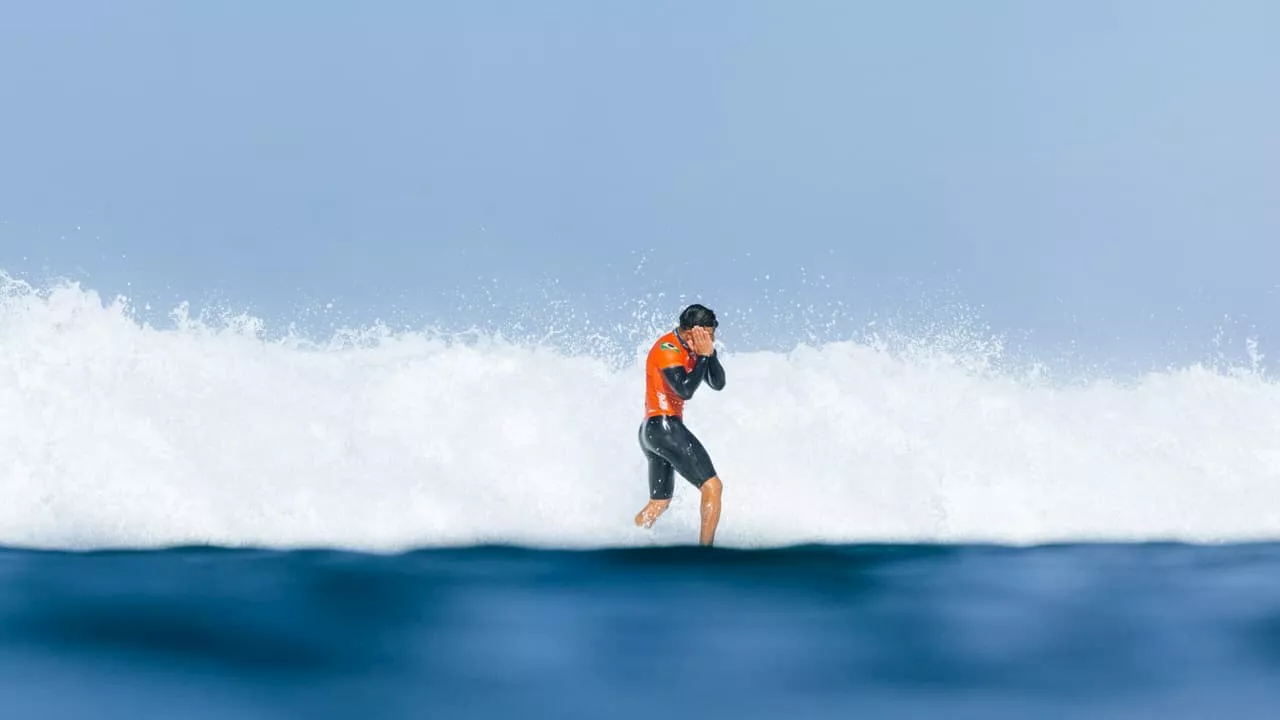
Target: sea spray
(115, 432)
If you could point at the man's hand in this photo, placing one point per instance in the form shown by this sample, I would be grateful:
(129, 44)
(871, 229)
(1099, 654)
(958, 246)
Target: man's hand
(701, 342)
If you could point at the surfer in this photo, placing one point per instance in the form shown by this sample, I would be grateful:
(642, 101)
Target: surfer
(677, 364)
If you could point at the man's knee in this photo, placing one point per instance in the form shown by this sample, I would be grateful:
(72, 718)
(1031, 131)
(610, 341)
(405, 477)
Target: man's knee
(713, 486)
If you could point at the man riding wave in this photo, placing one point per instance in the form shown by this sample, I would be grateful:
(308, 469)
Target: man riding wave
(678, 363)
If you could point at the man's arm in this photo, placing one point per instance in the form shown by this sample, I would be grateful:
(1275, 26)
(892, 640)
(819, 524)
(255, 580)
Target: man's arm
(715, 372)
(685, 383)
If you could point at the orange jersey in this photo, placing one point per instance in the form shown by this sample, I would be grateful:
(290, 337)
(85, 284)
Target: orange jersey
(659, 399)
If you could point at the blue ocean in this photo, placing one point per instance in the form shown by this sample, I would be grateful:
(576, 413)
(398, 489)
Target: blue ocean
(817, 631)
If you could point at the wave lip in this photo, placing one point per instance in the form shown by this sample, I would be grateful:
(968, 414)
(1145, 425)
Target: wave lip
(118, 433)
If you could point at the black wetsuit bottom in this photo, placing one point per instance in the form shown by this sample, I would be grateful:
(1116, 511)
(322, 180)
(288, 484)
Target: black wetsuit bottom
(670, 448)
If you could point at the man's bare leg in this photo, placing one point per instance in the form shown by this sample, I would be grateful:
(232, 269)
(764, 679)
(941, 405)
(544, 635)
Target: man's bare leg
(649, 514)
(711, 490)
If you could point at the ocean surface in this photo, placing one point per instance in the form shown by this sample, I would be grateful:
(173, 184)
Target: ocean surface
(903, 631)
(217, 519)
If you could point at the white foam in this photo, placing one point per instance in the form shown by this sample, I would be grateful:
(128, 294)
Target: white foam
(114, 433)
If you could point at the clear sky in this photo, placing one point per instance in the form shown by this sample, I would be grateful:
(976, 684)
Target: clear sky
(1100, 173)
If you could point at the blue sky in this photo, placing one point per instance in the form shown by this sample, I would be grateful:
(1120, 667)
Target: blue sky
(1103, 174)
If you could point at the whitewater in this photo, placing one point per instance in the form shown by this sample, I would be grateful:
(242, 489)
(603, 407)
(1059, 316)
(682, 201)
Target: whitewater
(117, 433)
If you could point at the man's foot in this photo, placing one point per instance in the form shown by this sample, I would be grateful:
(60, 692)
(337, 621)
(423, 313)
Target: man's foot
(649, 514)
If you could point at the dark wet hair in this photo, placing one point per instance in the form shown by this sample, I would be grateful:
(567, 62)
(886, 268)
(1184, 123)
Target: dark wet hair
(698, 316)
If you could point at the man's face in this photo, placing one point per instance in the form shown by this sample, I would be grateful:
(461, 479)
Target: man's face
(709, 330)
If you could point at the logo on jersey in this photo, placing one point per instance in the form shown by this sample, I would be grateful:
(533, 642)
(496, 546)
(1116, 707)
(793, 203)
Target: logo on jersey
(667, 346)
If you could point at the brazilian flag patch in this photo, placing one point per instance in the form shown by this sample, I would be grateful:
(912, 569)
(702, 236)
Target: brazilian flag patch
(667, 346)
